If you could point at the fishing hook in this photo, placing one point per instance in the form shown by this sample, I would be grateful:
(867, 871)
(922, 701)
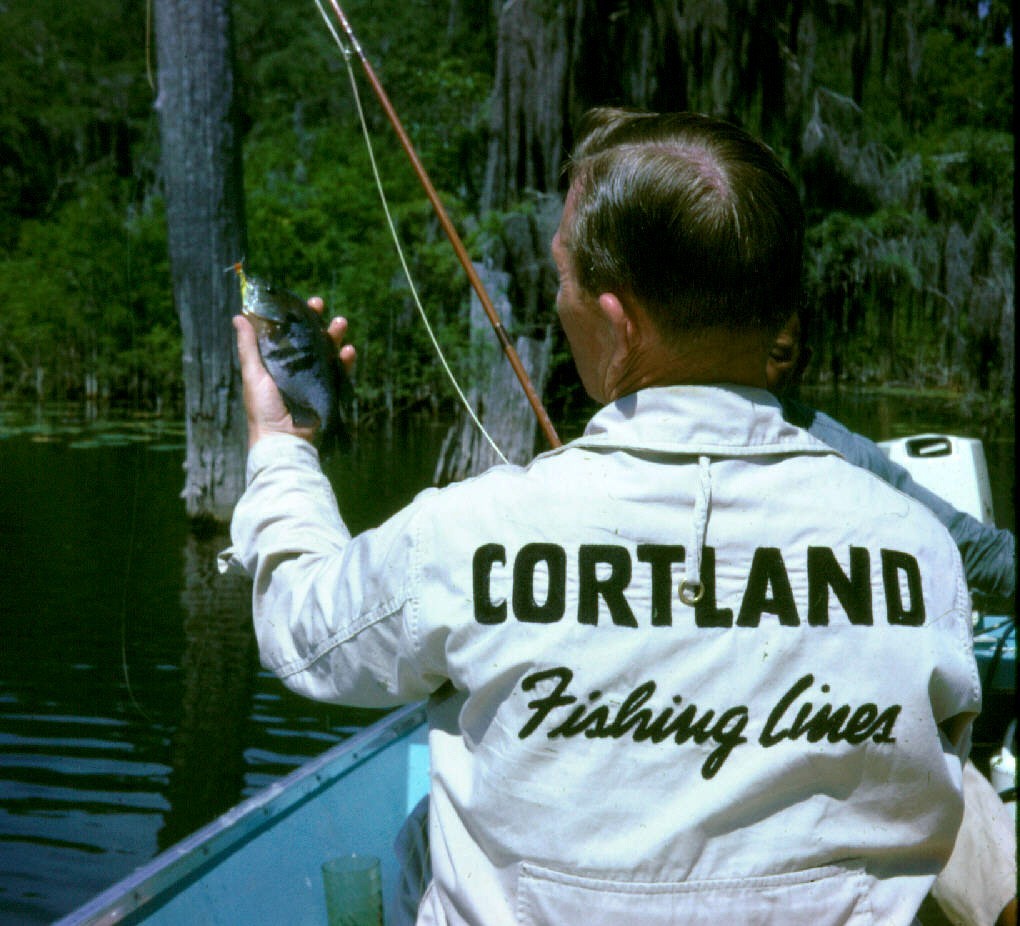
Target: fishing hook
(451, 232)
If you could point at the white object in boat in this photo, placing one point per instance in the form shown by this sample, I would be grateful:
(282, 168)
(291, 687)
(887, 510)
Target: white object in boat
(954, 468)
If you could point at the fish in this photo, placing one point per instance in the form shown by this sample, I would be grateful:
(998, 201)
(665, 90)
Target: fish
(301, 358)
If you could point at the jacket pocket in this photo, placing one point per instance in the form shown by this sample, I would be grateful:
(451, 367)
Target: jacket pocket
(835, 895)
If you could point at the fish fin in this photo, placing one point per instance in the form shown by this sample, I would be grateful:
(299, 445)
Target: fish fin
(334, 438)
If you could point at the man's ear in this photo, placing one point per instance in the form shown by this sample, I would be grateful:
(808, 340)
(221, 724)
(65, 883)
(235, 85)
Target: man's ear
(619, 318)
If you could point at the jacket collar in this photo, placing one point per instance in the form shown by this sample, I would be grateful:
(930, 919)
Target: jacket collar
(721, 420)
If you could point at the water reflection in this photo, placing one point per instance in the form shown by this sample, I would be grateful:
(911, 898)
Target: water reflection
(218, 669)
(131, 705)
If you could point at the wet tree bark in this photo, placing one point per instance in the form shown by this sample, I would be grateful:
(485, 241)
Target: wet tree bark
(495, 393)
(201, 167)
(527, 134)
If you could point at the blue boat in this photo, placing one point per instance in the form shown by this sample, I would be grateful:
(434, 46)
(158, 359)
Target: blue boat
(260, 862)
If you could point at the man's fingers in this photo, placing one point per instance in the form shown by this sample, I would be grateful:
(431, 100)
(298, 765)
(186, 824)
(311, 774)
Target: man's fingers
(337, 329)
(348, 355)
(247, 346)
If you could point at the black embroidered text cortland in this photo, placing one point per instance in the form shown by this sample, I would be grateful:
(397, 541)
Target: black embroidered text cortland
(539, 573)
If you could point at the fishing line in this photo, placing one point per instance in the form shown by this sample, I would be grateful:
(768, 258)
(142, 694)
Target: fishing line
(148, 45)
(124, 596)
(346, 52)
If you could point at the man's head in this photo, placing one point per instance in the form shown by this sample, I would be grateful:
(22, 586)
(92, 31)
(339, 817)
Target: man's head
(690, 216)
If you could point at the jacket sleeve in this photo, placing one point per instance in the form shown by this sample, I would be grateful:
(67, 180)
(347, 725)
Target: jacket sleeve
(335, 616)
(989, 554)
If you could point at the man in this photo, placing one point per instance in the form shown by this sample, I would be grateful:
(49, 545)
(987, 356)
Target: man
(666, 663)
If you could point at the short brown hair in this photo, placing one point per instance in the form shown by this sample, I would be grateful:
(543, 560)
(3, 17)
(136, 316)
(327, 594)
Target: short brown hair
(691, 215)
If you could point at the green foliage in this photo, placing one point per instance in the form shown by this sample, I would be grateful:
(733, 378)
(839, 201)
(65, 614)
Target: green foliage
(83, 266)
(75, 97)
(910, 244)
(315, 222)
(85, 293)
(910, 200)
(917, 291)
(83, 271)
(965, 84)
(967, 170)
(316, 225)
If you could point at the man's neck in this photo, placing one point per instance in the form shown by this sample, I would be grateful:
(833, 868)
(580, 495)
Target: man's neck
(710, 356)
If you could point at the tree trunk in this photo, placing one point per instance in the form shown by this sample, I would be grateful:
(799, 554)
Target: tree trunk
(528, 129)
(495, 394)
(529, 123)
(201, 166)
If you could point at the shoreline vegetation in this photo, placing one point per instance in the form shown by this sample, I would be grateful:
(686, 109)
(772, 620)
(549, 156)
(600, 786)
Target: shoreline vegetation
(896, 121)
(122, 422)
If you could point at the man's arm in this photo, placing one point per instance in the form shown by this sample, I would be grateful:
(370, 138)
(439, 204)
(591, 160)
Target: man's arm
(330, 612)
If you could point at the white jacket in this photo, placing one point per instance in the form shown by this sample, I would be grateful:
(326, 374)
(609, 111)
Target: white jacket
(787, 750)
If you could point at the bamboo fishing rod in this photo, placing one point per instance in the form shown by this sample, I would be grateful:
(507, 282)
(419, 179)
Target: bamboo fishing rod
(451, 232)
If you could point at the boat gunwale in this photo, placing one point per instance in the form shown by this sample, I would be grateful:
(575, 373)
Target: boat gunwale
(151, 882)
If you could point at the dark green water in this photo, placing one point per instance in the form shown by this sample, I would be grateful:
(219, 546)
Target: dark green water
(133, 708)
